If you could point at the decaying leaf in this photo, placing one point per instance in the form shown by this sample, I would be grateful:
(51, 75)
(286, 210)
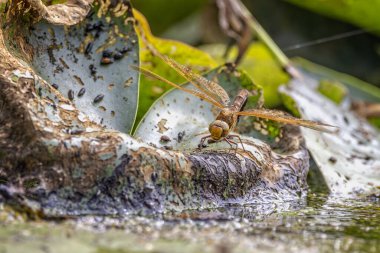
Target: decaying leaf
(56, 161)
(84, 59)
(187, 118)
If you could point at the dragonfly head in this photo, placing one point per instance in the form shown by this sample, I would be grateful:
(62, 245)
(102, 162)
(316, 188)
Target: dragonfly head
(218, 129)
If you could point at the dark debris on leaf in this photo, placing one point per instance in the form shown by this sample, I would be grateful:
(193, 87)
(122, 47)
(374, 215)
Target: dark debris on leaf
(88, 48)
(180, 136)
(71, 95)
(107, 53)
(92, 69)
(165, 138)
(125, 50)
(332, 160)
(81, 92)
(118, 56)
(98, 98)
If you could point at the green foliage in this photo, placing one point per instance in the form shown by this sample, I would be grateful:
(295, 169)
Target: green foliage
(333, 90)
(361, 13)
(375, 122)
(256, 97)
(261, 67)
(164, 13)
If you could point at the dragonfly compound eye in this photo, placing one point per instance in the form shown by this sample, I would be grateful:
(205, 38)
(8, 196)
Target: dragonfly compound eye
(218, 129)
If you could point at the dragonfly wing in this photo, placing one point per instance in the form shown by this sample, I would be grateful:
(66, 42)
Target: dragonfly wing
(282, 117)
(211, 88)
(193, 92)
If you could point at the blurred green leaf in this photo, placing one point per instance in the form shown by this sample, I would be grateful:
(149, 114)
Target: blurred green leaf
(375, 122)
(364, 14)
(164, 13)
(333, 90)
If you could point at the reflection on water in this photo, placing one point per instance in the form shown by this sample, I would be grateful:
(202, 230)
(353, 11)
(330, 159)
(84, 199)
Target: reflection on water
(317, 224)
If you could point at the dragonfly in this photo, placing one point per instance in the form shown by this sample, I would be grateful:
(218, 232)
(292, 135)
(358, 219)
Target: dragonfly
(229, 112)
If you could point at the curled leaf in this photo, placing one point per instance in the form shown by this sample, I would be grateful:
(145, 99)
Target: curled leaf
(89, 62)
(349, 159)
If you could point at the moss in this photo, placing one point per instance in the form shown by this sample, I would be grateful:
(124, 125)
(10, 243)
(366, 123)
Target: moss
(273, 129)
(58, 1)
(3, 7)
(333, 90)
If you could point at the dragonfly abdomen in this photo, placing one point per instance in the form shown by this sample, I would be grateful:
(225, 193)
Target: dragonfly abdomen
(239, 101)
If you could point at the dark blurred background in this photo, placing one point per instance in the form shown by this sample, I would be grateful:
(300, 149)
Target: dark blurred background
(195, 22)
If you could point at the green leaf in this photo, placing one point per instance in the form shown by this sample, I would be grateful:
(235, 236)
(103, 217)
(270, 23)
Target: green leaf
(71, 59)
(333, 90)
(174, 11)
(364, 14)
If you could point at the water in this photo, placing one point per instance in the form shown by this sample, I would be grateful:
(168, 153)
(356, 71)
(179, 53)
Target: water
(320, 225)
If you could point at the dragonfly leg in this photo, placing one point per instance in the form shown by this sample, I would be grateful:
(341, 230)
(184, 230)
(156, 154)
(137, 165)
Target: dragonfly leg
(231, 142)
(202, 143)
(236, 136)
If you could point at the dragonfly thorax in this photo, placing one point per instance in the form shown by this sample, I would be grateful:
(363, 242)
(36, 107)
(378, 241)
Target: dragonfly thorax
(219, 129)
